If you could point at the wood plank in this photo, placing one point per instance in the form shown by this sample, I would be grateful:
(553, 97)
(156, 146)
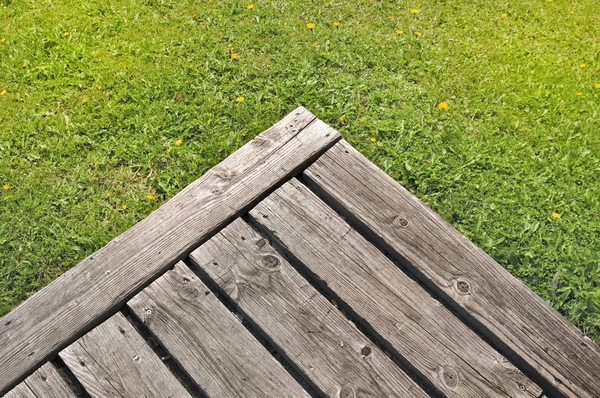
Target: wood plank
(87, 294)
(46, 382)
(543, 343)
(113, 360)
(445, 351)
(310, 332)
(20, 391)
(208, 341)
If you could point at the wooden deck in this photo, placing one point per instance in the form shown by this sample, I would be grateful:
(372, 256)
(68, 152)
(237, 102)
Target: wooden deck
(294, 268)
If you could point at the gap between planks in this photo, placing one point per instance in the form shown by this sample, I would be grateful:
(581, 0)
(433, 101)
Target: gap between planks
(97, 287)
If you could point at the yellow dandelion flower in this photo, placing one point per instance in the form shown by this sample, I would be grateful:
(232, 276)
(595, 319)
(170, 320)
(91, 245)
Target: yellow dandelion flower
(2, 40)
(503, 15)
(3, 92)
(239, 99)
(314, 45)
(84, 100)
(555, 215)
(150, 197)
(194, 17)
(580, 94)
(373, 139)
(582, 65)
(399, 31)
(179, 142)
(66, 34)
(336, 24)
(25, 64)
(343, 118)
(414, 11)
(597, 85)
(234, 56)
(311, 25)
(6, 187)
(418, 34)
(124, 207)
(443, 105)
(250, 6)
(168, 150)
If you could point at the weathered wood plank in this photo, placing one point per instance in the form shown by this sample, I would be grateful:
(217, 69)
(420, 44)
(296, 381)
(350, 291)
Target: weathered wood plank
(45, 382)
(450, 355)
(113, 360)
(22, 390)
(309, 330)
(94, 289)
(532, 333)
(208, 341)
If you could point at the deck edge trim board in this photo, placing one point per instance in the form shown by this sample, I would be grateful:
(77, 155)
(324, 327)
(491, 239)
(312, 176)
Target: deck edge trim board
(402, 222)
(93, 290)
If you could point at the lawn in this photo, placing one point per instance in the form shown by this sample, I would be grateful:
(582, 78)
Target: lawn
(488, 111)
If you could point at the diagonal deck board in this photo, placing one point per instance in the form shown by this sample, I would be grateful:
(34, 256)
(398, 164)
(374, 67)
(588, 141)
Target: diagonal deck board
(309, 331)
(502, 308)
(46, 382)
(454, 359)
(113, 360)
(207, 340)
(21, 391)
(90, 292)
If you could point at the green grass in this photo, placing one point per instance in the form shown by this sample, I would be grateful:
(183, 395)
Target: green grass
(516, 145)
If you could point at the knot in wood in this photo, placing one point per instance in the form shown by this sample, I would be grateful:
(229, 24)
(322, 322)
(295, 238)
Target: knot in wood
(347, 391)
(188, 293)
(400, 222)
(261, 242)
(365, 351)
(224, 174)
(450, 377)
(216, 191)
(270, 261)
(463, 287)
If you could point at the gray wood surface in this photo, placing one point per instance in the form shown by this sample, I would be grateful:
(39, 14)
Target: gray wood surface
(93, 290)
(499, 305)
(208, 341)
(20, 391)
(113, 360)
(308, 329)
(46, 382)
(451, 356)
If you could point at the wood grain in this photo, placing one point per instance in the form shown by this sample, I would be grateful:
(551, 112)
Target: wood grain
(312, 334)
(445, 351)
(46, 382)
(543, 343)
(87, 294)
(208, 341)
(113, 360)
(21, 391)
